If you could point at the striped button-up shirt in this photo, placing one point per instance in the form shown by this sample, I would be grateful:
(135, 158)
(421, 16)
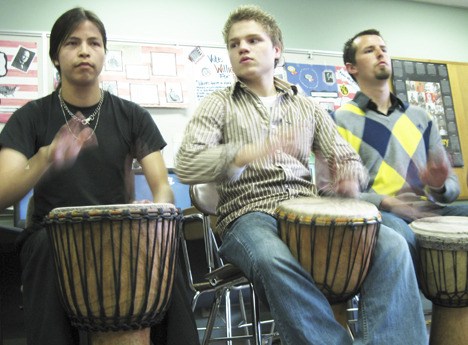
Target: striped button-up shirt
(230, 118)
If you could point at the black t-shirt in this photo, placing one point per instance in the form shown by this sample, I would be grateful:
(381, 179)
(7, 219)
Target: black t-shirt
(101, 175)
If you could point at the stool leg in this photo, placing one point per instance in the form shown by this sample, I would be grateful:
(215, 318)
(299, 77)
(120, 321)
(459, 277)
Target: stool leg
(212, 316)
(227, 303)
(256, 324)
(449, 326)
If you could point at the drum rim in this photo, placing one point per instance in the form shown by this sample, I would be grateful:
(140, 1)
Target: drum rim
(112, 210)
(452, 226)
(453, 238)
(285, 210)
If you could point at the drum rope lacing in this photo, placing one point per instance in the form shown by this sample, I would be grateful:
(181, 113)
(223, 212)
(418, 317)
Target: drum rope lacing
(148, 313)
(84, 121)
(327, 286)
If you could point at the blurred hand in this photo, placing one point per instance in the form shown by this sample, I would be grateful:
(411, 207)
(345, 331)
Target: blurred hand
(250, 152)
(405, 210)
(71, 138)
(436, 171)
(347, 188)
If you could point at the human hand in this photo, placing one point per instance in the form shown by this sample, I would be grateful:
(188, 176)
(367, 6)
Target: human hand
(347, 188)
(71, 138)
(436, 171)
(250, 152)
(405, 210)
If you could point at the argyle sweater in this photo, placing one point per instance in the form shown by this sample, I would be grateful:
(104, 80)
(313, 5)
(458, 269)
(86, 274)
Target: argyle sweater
(392, 148)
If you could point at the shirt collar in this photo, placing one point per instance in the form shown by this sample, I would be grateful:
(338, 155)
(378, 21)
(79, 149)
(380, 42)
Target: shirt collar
(281, 85)
(364, 103)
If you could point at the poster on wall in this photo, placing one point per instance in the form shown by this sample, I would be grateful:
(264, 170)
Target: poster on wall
(150, 75)
(18, 75)
(330, 86)
(211, 69)
(427, 85)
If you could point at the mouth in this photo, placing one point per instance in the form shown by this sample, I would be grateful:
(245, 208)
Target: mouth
(245, 59)
(85, 65)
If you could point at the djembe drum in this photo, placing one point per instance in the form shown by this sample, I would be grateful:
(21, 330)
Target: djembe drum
(115, 266)
(334, 240)
(443, 275)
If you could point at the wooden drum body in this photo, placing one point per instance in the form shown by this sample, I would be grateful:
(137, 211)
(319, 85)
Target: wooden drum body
(115, 266)
(333, 239)
(443, 275)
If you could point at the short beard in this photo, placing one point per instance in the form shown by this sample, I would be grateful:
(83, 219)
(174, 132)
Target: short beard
(383, 74)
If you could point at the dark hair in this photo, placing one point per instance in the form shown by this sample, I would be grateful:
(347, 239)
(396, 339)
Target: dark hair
(266, 20)
(349, 50)
(66, 24)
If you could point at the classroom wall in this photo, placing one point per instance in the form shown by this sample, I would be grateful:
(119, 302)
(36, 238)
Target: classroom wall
(411, 29)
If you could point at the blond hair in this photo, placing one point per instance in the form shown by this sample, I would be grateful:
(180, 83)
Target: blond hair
(251, 12)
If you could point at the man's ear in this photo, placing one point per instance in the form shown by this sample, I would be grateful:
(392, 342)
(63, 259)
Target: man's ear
(56, 63)
(352, 70)
(278, 51)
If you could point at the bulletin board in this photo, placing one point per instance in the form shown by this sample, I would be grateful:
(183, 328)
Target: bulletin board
(330, 85)
(160, 75)
(21, 70)
(150, 75)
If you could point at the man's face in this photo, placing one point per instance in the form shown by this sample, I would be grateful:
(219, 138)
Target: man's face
(25, 56)
(251, 51)
(81, 56)
(372, 59)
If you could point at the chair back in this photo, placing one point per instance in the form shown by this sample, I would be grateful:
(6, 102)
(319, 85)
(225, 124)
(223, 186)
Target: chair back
(205, 198)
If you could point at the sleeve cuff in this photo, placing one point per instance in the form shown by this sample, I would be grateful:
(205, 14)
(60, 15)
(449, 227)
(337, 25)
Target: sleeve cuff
(440, 190)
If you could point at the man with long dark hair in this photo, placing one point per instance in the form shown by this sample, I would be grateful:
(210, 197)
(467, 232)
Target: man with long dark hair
(75, 147)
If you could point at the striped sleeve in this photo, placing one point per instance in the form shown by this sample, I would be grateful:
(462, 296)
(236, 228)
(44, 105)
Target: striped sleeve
(202, 156)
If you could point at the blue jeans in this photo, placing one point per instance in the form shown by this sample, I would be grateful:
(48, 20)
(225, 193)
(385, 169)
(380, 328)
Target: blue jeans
(390, 307)
(401, 226)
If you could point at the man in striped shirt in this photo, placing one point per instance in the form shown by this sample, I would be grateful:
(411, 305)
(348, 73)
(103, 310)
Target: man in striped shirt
(253, 140)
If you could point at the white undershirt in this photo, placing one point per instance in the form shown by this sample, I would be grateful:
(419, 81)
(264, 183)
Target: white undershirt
(269, 101)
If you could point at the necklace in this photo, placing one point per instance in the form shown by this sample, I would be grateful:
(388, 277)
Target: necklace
(84, 122)
(87, 120)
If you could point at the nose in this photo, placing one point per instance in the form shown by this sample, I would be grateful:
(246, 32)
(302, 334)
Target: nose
(380, 52)
(84, 49)
(243, 46)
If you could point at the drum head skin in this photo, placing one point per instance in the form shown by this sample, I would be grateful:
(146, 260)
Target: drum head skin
(117, 209)
(323, 210)
(442, 232)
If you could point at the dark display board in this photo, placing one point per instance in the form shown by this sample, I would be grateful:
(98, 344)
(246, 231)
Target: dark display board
(427, 85)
